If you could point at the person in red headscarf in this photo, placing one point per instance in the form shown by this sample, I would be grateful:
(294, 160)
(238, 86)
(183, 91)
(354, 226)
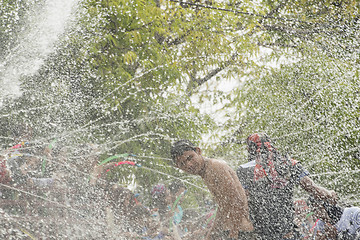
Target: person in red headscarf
(269, 179)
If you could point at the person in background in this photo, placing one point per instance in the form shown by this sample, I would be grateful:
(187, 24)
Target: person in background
(126, 216)
(269, 179)
(161, 211)
(199, 222)
(160, 199)
(20, 158)
(177, 192)
(4, 172)
(29, 162)
(116, 201)
(232, 218)
(304, 219)
(4, 175)
(334, 221)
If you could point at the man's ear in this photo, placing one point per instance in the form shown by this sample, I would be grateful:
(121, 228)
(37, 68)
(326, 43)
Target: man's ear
(198, 150)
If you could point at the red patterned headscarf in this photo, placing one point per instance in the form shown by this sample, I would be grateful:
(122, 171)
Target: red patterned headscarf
(269, 164)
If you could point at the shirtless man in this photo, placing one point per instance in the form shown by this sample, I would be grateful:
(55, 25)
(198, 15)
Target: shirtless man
(232, 218)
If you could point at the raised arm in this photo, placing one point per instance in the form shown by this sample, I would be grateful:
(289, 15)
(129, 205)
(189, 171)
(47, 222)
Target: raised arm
(318, 192)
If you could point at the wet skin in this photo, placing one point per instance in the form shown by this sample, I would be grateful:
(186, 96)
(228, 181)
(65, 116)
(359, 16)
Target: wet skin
(225, 187)
(191, 162)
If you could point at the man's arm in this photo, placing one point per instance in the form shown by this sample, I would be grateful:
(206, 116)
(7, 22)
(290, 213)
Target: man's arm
(318, 192)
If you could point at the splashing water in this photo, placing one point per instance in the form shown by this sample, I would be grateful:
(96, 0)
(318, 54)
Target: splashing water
(36, 41)
(62, 203)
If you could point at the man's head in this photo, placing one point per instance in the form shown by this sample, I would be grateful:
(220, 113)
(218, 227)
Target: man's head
(179, 147)
(121, 197)
(255, 140)
(187, 157)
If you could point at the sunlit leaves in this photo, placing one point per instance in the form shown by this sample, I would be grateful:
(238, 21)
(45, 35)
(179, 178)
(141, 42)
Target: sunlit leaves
(132, 67)
(130, 57)
(311, 109)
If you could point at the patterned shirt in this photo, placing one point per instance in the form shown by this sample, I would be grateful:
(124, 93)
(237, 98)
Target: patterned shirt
(271, 205)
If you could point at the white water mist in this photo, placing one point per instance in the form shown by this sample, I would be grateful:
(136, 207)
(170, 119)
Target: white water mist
(37, 40)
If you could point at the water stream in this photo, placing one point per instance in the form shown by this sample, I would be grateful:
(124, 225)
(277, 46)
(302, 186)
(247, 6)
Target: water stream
(63, 203)
(37, 39)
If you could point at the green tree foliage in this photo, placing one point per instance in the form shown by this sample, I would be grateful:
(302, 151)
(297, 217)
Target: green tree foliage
(131, 69)
(311, 109)
(140, 53)
(108, 83)
(309, 103)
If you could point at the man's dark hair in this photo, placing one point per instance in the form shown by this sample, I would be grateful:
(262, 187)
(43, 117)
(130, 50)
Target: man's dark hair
(179, 147)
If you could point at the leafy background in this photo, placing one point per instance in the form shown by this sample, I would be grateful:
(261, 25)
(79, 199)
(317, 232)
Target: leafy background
(133, 76)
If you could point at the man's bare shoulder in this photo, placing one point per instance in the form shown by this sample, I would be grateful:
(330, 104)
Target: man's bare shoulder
(216, 162)
(218, 165)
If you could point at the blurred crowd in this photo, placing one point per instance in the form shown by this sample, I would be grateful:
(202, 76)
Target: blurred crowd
(36, 184)
(39, 181)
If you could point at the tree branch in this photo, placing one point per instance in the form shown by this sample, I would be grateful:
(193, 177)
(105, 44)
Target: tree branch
(195, 83)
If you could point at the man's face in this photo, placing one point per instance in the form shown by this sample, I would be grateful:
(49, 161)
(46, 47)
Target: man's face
(191, 162)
